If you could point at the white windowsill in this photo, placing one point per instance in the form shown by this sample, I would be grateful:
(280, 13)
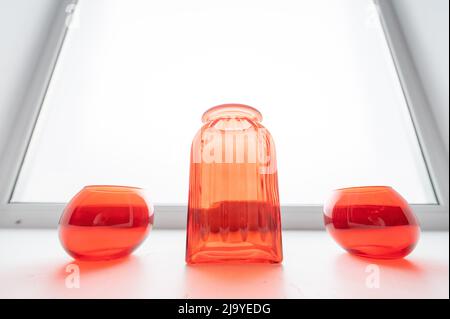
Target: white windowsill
(33, 265)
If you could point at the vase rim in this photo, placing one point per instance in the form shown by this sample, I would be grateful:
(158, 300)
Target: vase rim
(232, 110)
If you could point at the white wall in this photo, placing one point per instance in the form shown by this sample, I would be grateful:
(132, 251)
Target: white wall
(425, 24)
(24, 27)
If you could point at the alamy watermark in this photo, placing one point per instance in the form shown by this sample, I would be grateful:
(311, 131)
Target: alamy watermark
(226, 147)
(72, 16)
(73, 278)
(373, 277)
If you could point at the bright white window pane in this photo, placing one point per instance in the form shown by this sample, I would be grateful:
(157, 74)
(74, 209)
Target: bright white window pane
(134, 78)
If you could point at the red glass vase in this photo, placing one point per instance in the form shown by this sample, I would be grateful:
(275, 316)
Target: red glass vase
(233, 209)
(105, 222)
(371, 221)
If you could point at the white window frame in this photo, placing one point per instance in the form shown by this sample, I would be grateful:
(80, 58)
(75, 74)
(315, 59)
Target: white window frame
(45, 215)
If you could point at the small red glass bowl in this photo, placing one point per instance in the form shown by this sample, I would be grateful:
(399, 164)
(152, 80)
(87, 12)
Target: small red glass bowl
(105, 222)
(371, 221)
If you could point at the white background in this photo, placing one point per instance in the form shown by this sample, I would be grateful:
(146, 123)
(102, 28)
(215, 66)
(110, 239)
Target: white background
(29, 34)
(134, 78)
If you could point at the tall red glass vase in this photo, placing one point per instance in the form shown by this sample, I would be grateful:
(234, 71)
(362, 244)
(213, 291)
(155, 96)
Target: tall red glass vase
(234, 209)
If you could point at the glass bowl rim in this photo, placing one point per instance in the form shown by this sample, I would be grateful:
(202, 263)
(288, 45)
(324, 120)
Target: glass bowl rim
(111, 188)
(364, 189)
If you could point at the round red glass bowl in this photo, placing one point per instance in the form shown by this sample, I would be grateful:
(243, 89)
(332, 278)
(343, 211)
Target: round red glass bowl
(371, 221)
(105, 222)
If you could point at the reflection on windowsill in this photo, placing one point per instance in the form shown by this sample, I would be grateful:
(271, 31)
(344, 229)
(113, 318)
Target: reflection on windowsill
(117, 278)
(384, 278)
(234, 281)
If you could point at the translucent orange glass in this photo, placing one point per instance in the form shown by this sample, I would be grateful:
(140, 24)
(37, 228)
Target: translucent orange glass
(105, 222)
(372, 221)
(233, 209)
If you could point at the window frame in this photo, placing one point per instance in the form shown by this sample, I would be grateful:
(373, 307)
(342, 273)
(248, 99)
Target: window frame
(46, 215)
